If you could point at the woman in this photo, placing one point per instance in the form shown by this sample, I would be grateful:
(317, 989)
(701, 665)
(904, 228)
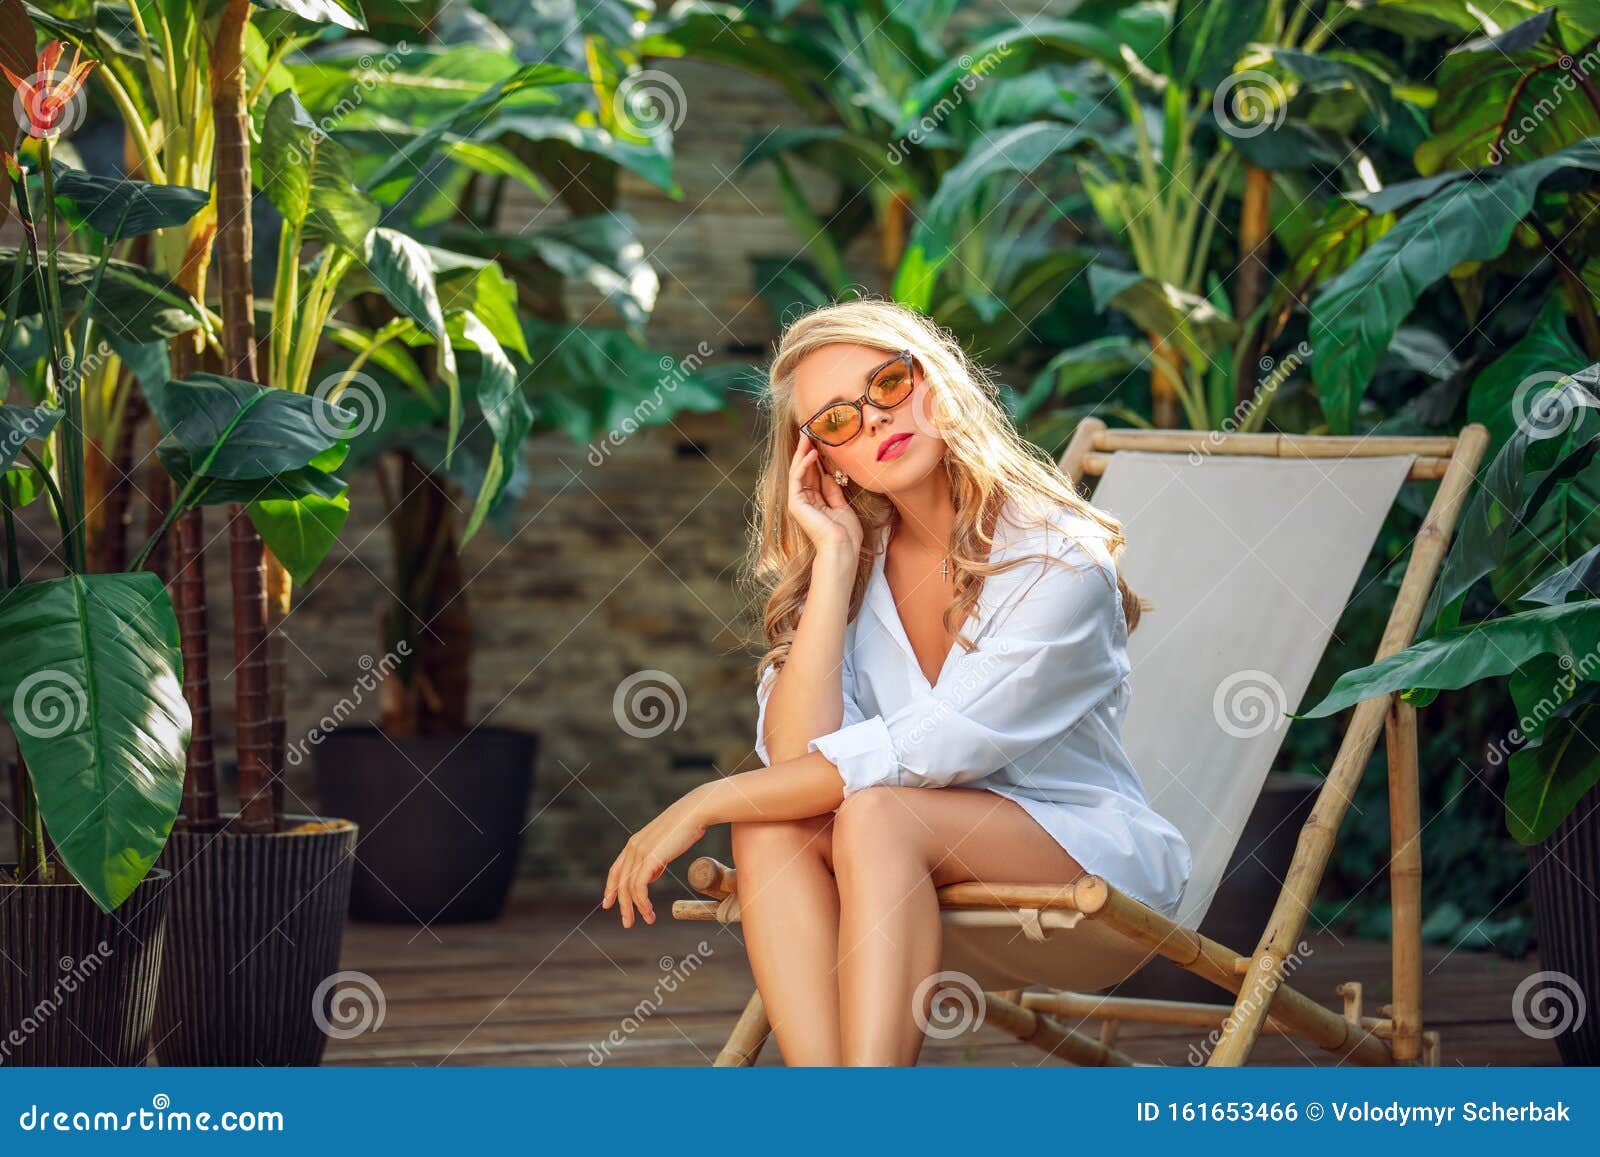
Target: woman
(906, 746)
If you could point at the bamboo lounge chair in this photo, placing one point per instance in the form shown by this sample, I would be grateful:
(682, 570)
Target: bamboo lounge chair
(1248, 546)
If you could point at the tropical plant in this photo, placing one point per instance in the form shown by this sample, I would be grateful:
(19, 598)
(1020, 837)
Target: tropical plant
(90, 665)
(1532, 529)
(458, 344)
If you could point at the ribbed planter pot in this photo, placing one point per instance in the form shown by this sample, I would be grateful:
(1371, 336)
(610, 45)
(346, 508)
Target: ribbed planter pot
(1565, 884)
(255, 928)
(441, 818)
(77, 985)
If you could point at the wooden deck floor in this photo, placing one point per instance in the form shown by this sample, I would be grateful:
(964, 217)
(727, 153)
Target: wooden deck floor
(551, 982)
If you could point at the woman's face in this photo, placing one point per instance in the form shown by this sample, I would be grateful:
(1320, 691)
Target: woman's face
(838, 373)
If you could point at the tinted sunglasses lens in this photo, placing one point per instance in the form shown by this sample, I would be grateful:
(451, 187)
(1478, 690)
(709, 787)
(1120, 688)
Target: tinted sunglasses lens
(891, 384)
(837, 425)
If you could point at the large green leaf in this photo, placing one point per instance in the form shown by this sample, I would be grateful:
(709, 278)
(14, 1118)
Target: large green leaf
(1473, 219)
(339, 13)
(936, 236)
(240, 442)
(504, 407)
(1507, 98)
(21, 424)
(91, 683)
(118, 208)
(1207, 38)
(310, 178)
(403, 272)
(1467, 654)
(1559, 760)
(300, 531)
(131, 305)
(1159, 308)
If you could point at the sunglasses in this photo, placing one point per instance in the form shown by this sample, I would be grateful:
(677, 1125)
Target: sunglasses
(888, 385)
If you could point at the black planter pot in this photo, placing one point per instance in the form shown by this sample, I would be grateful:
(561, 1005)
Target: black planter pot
(441, 818)
(255, 927)
(78, 985)
(1565, 883)
(1249, 888)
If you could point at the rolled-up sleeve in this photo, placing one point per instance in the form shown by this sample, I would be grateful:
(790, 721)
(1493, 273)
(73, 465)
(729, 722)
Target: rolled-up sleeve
(1055, 650)
(769, 675)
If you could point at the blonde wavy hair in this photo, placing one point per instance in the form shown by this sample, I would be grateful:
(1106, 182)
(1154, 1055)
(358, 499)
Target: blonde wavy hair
(988, 461)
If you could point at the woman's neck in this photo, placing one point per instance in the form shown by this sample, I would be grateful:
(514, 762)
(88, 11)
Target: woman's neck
(927, 514)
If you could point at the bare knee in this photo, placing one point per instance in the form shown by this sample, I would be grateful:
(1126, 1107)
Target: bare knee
(761, 845)
(878, 826)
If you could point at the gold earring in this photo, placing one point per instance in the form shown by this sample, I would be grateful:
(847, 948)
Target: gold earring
(840, 477)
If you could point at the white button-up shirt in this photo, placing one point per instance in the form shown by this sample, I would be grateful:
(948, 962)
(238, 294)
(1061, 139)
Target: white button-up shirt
(1033, 714)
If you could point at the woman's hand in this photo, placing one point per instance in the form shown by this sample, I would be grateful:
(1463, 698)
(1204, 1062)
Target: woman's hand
(818, 503)
(647, 854)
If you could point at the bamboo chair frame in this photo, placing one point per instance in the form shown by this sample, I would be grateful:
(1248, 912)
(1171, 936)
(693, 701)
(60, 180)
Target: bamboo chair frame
(1256, 980)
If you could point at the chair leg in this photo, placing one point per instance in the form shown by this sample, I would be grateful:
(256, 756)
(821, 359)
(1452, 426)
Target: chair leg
(1405, 880)
(748, 1035)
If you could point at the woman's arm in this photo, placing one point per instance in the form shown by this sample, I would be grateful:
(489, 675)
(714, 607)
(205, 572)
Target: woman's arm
(793, 789)
(799, 706)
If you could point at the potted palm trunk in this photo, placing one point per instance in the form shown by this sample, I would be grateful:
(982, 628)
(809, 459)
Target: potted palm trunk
(259, 897)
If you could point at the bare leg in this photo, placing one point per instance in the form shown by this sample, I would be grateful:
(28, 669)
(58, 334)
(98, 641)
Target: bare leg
(892, 846)
(789, 906)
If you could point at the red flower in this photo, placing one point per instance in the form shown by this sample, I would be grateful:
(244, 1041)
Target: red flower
(47, 95)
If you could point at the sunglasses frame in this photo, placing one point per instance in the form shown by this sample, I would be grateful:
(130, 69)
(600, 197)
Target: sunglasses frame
(865, 399)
